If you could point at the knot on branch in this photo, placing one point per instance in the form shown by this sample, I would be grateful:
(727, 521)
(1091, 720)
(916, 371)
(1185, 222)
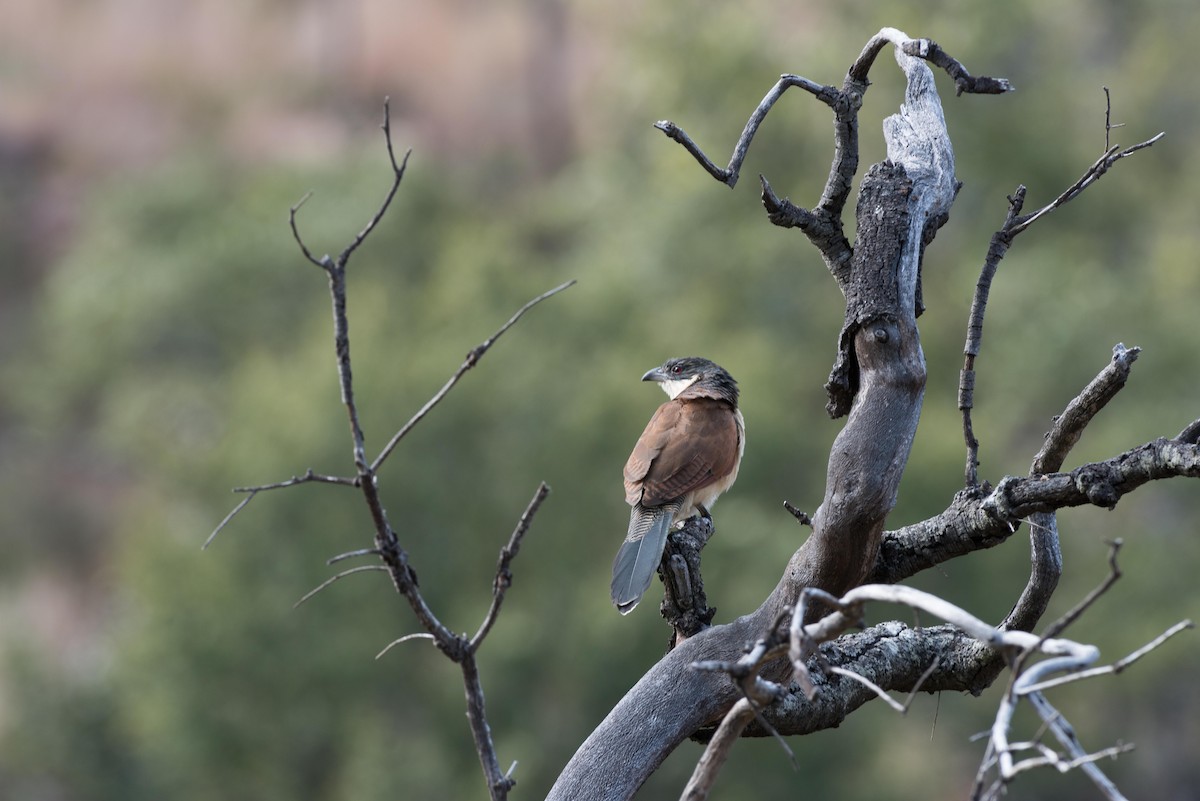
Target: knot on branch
(998, 504)
(849, 101)
(1097, 483)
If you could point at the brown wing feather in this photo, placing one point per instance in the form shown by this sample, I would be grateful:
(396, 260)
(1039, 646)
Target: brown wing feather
(649, 445)
(685, 446)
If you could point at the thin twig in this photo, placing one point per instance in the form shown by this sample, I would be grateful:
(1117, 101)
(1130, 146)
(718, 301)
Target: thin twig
(503, 578)
(1065, 734)
(924, 677)
(419, 635)
(1108, 123)
(397, 176)
(333, 560)
(872, 686)
(332, 579)
(472, 358)
(1093, 174)
(1115, 667)
(228, 517)
(1073, 614)
(966, 384)
(801, 516)
(323, 262)
(308, 477)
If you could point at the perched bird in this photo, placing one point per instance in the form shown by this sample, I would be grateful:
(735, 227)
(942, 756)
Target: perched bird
(688, 455)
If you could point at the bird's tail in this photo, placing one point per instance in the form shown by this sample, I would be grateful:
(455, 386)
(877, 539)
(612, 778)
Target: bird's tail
(634, 567)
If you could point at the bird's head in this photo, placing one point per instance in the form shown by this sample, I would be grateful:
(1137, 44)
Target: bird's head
(679, 375)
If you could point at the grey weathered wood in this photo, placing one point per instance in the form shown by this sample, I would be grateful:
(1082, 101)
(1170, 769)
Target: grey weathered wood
(884, 371)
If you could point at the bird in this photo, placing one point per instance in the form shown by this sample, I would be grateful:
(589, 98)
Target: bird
(688, 455)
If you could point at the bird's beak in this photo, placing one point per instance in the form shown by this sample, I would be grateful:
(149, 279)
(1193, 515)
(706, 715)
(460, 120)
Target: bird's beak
(655, 375)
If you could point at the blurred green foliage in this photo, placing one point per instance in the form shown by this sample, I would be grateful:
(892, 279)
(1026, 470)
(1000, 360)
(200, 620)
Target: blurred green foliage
(182, 346)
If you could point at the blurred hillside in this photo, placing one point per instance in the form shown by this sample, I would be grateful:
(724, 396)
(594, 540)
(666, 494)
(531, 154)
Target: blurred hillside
(162, 341)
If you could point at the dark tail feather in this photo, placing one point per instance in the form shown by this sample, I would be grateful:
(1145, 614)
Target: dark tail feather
(634, 567)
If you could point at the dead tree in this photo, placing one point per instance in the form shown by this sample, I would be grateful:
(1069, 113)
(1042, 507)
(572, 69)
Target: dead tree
(767, 665)
(388, 550)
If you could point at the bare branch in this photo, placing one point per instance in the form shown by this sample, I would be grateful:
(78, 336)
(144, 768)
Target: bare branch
(1065, 734)
(873, 687)
(1190, 434)
(975, 520)
(1109, 125)
(333, 560)
(1073, 614)
(324, 263)
(966, 383)
(828, 95)
(308, 477)
(963, 80)
(1115, 667)
(717, 751)
(503, 578)
(1097, 483)
(1045, 549)
(498, 783)
(397, 176)
(419, 635)
(883, 694)
(228, 517)
(1093, 174)
(387, 546)
(332, 579)
(1014, 224)
(472, 358)
(1069, 426)
(1063, 656)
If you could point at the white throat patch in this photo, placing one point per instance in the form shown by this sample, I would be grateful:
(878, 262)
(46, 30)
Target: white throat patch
(674, 386)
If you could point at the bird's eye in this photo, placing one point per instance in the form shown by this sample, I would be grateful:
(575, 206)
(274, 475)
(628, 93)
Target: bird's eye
(676, 369)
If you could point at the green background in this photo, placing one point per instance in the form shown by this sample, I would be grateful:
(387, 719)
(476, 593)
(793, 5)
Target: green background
(163, 341)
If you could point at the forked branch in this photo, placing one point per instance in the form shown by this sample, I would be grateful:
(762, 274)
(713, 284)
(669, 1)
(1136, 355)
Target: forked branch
(387, 547)
(1014, 224)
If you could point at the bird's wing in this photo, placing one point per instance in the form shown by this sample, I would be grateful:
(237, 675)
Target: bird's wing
(686, 445)
(650, 444)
